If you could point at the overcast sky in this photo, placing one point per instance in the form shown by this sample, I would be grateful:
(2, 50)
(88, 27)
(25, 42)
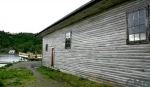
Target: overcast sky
(34, 15)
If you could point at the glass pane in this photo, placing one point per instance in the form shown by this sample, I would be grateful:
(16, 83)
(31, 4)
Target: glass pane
(131, 37)
(137, 37)
(135, 15)
(130, 16)
(136, 22)
(143, 36)
(68, 35)
(136, 29)
(67, 40)
(142, 20)
(130, 23)
(142, 28)
(142, 13)
(131, 30)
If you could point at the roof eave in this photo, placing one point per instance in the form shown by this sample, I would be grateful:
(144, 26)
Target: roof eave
(82, 12)
(88, 4)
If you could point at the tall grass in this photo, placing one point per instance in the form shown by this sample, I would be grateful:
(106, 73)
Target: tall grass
(68, 79)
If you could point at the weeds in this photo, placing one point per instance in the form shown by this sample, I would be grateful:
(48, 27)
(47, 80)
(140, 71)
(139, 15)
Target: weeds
(67, 79)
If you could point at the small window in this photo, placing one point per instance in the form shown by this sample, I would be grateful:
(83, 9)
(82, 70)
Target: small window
(137, 26)
(46, 47)
(68, 40)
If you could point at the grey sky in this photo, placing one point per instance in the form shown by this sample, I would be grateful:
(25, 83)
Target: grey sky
(34, 15)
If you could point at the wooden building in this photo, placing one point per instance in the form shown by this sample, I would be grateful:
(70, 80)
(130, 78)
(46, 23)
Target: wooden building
(102, 40)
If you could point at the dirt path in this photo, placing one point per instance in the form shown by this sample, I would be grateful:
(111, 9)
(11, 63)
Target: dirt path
(41, 82)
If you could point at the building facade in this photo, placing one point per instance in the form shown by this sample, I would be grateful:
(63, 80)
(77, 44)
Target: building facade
(103, 40)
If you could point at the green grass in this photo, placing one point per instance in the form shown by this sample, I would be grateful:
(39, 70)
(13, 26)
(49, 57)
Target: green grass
(16, 77)
(68, 80)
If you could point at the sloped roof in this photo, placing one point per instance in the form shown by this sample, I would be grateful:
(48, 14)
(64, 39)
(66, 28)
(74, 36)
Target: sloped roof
(88, 9)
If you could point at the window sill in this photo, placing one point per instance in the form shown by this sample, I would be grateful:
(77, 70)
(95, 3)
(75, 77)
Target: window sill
(137, 42)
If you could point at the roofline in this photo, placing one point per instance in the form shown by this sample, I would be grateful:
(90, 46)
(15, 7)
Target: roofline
(88, 4)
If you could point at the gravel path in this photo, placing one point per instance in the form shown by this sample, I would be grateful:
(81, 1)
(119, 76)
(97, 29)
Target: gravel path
(32, 65)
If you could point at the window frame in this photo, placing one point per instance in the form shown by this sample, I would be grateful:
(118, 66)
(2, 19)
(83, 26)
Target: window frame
(66, 47)
(146, 41)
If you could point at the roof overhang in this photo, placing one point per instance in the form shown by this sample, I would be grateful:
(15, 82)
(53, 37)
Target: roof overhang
(88, 9)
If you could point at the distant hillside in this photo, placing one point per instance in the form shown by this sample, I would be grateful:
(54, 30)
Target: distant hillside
(23, 42)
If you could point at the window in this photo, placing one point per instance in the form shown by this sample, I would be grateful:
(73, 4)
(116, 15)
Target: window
(137, 29)
(46, 47)
(68, 41)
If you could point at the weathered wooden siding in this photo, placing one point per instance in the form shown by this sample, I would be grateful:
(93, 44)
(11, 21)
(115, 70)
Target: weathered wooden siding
(99, 50)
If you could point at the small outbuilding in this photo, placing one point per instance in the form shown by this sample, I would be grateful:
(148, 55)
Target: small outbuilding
(102, 40)
(11, 51)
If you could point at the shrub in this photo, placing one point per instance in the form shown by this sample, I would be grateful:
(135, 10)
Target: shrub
(8, 65)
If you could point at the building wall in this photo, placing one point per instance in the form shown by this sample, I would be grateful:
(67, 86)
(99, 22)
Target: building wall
(98, 49)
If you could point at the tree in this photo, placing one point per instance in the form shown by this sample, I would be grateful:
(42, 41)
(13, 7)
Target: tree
(20, 42)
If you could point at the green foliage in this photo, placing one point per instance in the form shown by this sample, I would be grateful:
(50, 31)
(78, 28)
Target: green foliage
(69, 80)
(1, 84)
(16, 77)
(9, 64)
(20, 42)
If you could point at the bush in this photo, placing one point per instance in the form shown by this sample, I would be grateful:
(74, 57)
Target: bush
(8, 65)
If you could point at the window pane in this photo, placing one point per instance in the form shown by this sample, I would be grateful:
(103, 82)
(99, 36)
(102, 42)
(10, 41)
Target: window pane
(136, 22)
(142, 28)
(137, 37)
(68, 40)
(142, 13)
(131, 30)
(130, 16)
(131, 37)
(143, 36)
(135, 15)
(68, 35)
(130, 23)
(136, 29)
(142, 20)
(68, 43)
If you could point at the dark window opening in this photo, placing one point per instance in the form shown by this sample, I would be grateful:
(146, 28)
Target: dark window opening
(46, 47)
(137, 29)
(68, 41)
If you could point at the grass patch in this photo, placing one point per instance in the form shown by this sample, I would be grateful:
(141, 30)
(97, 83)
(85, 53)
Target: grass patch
(1, 84)
(16, 77)
(69, 80)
